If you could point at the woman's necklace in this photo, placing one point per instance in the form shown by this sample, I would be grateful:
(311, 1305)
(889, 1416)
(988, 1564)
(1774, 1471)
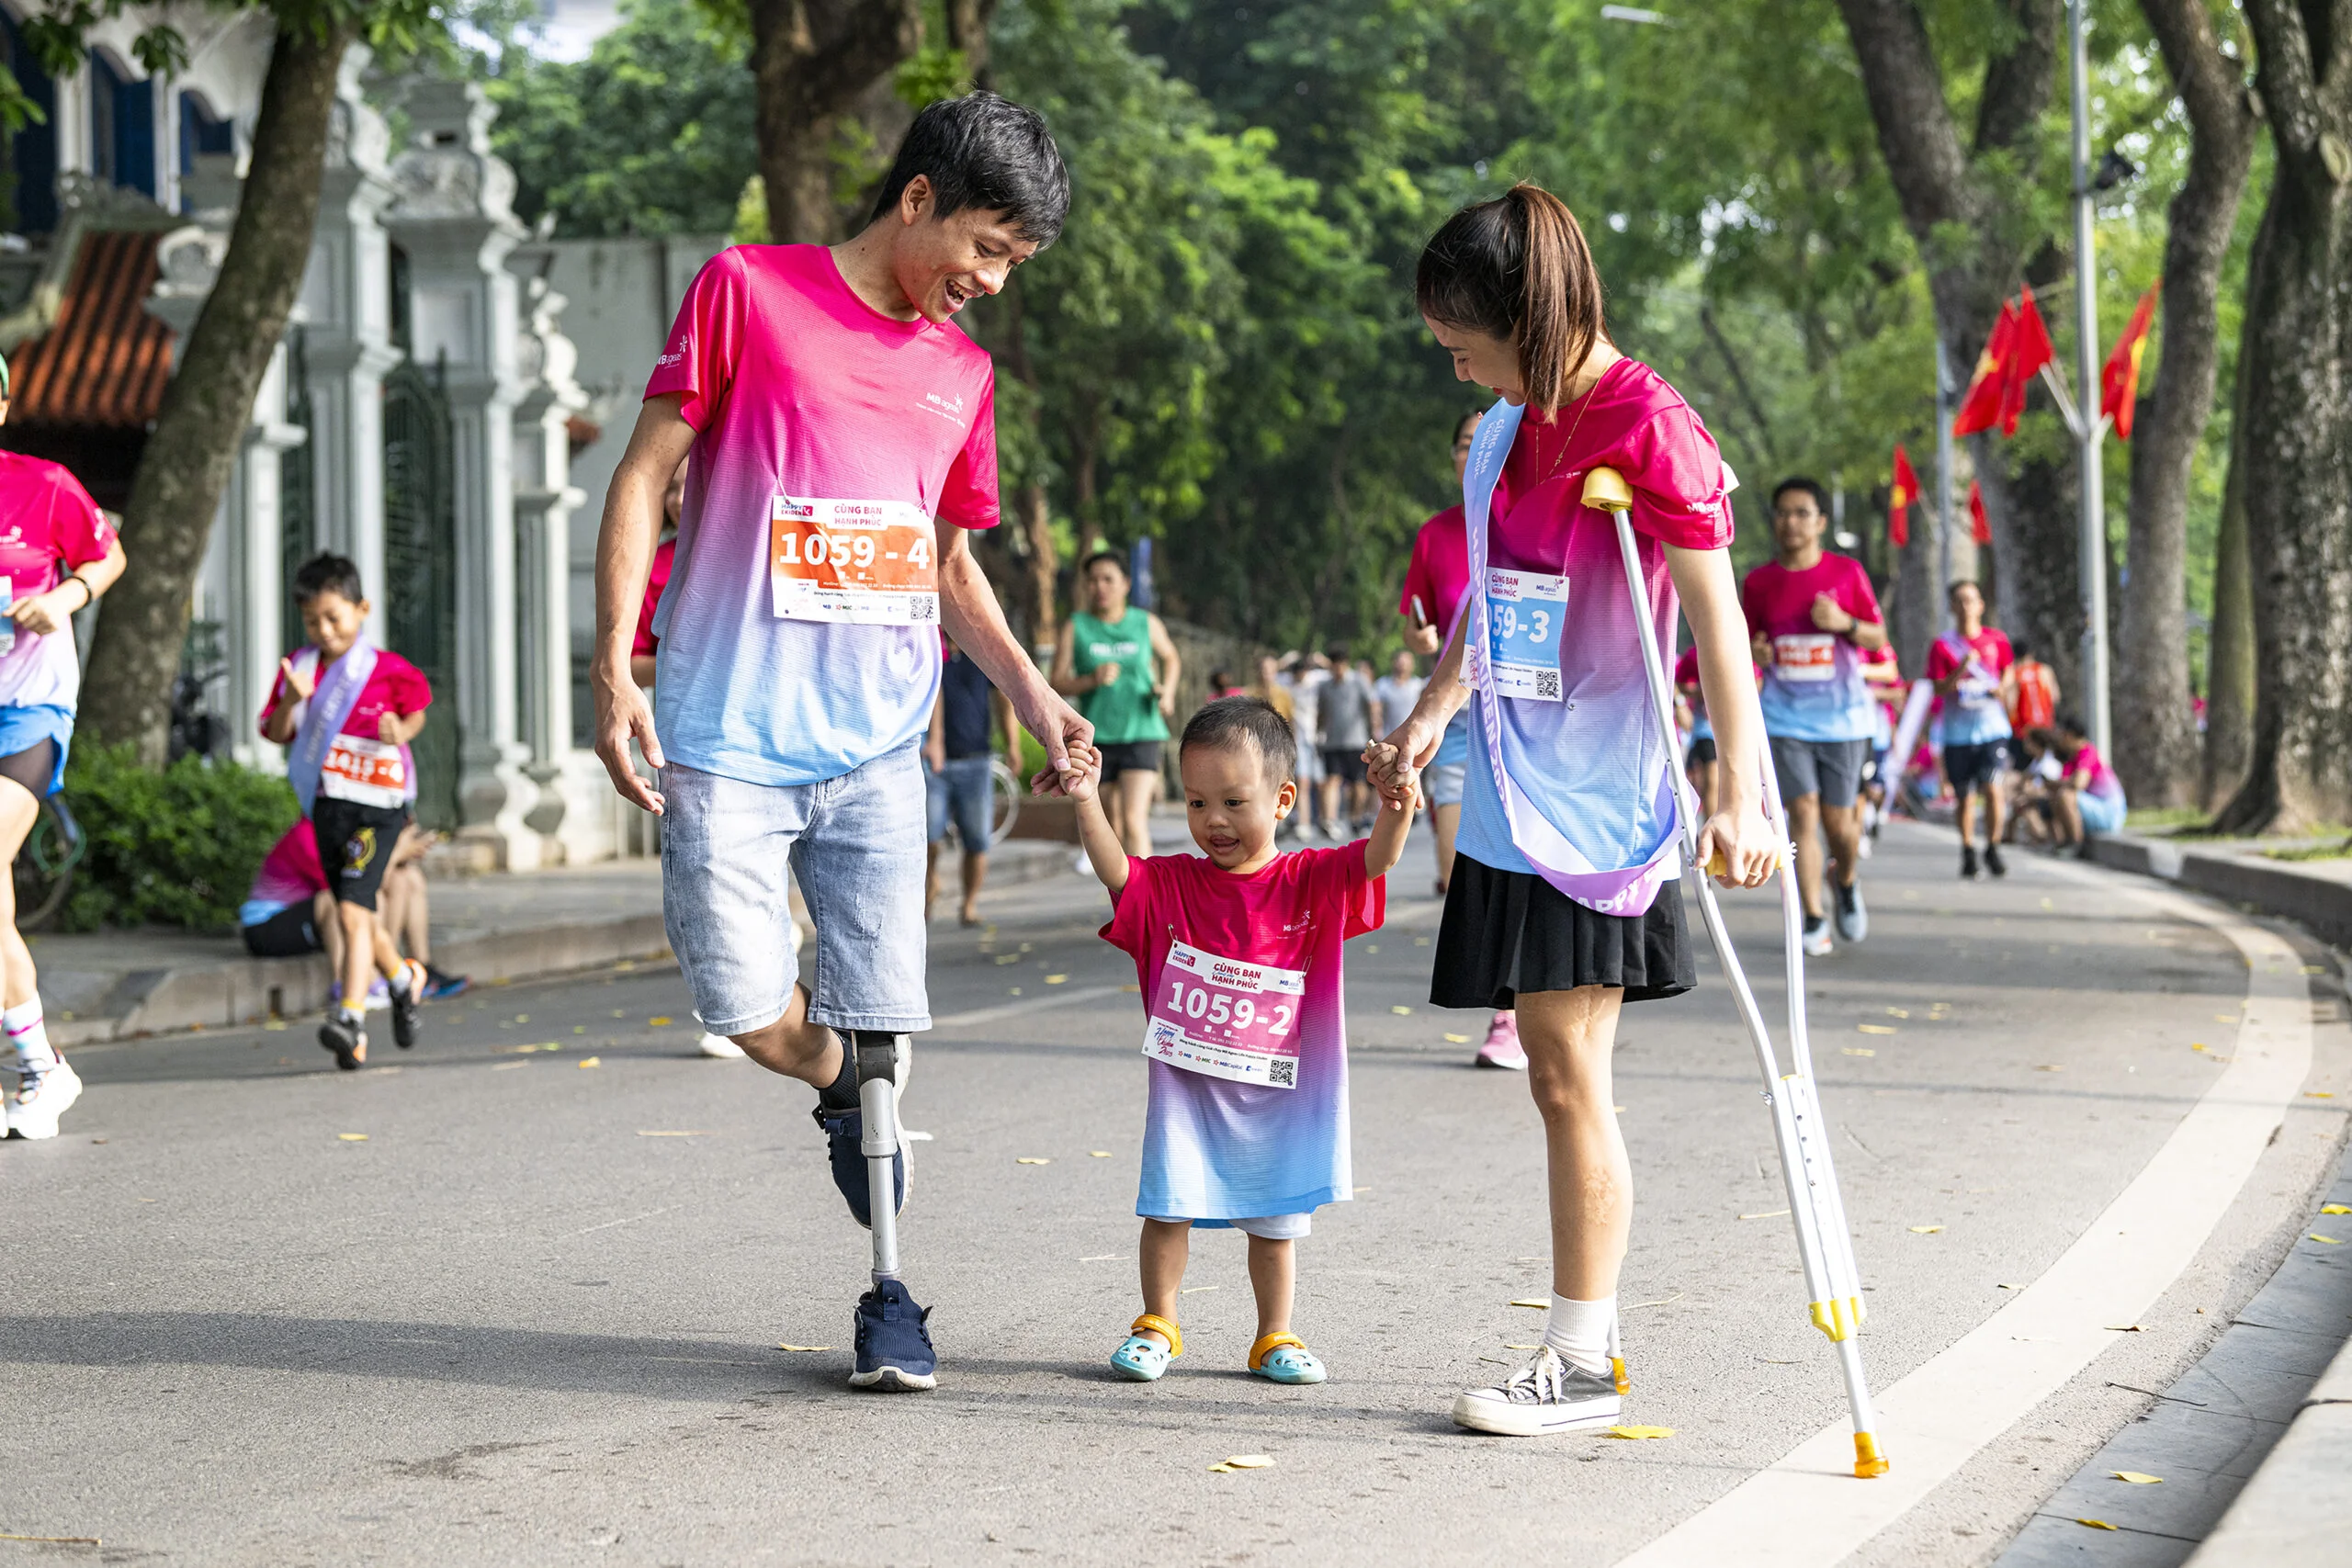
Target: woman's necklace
(1582, 403)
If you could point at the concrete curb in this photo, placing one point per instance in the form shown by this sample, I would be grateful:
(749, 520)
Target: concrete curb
(227, 992)
(2322, 904)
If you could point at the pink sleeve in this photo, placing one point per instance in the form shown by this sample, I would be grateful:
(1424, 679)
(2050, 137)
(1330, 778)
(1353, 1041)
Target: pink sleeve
(1130, 929)
(1860, 599)
(1678, 479)
(1363, 900)
(969, 498)
(409, 690)
(1417, 583)
(269, 704)
(77, 530)
(706, 341)
(1940, 662)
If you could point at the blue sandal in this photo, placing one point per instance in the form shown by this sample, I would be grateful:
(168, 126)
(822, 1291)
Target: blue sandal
(1143, 1361)
(1284, 1358)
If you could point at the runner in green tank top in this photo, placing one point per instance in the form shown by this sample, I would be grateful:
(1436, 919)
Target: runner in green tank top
(1121, 667)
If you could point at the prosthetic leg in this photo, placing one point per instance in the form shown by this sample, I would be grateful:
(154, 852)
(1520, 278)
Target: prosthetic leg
(1825, 1242)
(876, 1056)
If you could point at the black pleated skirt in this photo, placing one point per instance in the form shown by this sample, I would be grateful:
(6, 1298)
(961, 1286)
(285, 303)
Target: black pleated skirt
(1507, 931)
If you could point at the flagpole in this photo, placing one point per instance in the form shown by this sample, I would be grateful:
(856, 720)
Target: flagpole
(2089, 428)
(1941, 554)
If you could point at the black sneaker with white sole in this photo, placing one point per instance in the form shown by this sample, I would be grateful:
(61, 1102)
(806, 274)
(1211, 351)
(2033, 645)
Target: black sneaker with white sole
(347, 1038)
(406, 1007)
(1968, 862)
(1546, 1395)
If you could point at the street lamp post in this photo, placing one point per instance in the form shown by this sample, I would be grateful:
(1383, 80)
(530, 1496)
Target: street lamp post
(2089, 428)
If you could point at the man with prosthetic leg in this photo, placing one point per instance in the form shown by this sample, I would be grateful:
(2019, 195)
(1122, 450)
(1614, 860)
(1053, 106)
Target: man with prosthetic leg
(843, 443)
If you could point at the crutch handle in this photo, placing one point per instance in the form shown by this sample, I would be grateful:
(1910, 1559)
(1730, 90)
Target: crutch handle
(1605, 489)
(1718, 867)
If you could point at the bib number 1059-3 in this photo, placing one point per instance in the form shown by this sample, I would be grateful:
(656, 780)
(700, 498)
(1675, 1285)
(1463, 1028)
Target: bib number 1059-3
(853, 562)
(1524, 613)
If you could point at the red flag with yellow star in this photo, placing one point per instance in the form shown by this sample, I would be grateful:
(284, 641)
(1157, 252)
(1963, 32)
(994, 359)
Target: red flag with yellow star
(2030, 350)
(1980, 527)
(1980, 406)
(1901, 499)
(2119, 383)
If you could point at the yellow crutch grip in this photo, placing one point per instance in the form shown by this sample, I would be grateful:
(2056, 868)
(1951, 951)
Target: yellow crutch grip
(1869, 1464)
(1605, 489)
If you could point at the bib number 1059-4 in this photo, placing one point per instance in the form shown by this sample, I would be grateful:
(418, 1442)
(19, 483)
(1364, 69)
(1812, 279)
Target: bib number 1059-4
(853, 562)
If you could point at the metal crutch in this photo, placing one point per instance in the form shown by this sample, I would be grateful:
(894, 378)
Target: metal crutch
(1824, 1242)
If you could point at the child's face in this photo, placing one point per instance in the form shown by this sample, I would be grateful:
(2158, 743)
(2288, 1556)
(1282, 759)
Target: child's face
(1232, 806)
(333, 623)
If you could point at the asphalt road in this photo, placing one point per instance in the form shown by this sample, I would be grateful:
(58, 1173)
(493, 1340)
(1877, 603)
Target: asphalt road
(517, 1296)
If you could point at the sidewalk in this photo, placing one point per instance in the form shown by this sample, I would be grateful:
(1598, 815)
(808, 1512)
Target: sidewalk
(2317, 893)
(118, 985)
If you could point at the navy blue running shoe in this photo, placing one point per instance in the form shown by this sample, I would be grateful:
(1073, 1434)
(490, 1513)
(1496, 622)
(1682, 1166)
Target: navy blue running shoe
(893, 1346)
(843, 1131)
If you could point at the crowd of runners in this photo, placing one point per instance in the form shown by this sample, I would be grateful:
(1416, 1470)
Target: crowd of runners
(801, 667)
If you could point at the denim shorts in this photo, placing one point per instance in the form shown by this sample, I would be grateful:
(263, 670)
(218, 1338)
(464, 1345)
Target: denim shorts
(962, 792)
(856, 844)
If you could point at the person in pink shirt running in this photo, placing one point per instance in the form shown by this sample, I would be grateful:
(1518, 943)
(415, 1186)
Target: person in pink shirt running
(844, 433)
(1564, 898)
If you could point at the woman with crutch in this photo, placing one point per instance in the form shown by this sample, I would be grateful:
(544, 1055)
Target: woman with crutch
(1564, 902)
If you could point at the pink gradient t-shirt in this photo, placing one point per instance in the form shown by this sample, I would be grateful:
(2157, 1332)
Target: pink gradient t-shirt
(1218, 1150)
(46, 518)
(1438, 574)
(800, 391)
(1814, 688)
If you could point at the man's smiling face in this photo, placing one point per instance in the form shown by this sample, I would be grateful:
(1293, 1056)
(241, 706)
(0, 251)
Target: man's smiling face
(940, 265)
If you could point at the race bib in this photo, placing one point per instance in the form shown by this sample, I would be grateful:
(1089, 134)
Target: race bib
(367, 772)
(1976, 688)
(1805, 658)
(1524, 613)
(1227, 1018)
(869, 563)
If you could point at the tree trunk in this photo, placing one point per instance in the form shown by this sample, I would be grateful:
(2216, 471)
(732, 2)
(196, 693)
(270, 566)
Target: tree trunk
(812, 60)
(1967, 207)
(200, 428)
(2297, 416)
(2229, 651)
(967, 29)
(1037, 526)
(2156, 725)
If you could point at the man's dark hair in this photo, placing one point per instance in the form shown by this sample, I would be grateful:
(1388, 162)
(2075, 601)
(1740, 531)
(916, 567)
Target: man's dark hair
(1337, 653)
(1811, 487)
(2021, 648)
(1952, 592)
(981, 151)
(1250, 721)
(1113, 556)
(1470, 420)
(328, 573)
(2070, 724)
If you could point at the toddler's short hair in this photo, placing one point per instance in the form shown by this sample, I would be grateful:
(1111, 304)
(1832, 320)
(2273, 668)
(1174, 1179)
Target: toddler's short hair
(1253, 721)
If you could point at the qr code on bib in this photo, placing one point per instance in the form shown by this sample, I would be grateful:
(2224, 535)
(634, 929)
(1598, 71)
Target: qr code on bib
(1547, 683)
(1283, 1071)
(923, 609)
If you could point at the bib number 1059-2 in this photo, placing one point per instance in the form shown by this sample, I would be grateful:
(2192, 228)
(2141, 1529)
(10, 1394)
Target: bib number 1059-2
(853, 562)
(1227, 1018)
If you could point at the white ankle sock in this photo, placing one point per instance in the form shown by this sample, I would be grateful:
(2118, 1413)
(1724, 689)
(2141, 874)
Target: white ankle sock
(351, 1015)
(29, 1034)
(1578, 1332)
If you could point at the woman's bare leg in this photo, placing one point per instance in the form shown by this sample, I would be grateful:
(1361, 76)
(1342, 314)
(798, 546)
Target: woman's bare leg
(1569, 1037)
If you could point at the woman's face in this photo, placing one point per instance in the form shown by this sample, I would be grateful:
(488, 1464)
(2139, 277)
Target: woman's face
(1106, 589)
(1483, 361)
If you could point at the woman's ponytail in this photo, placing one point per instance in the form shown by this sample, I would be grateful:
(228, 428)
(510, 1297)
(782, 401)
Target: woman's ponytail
(1517, 268)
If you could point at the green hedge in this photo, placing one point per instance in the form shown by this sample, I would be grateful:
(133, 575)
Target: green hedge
(175, 848)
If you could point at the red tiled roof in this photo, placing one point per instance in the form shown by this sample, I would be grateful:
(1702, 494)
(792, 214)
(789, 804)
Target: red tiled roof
(106, 360)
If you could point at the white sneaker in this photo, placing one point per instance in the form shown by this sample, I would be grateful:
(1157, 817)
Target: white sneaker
(1544, 1396)
(719, 1046)
(1818, 942)
(40, 1100)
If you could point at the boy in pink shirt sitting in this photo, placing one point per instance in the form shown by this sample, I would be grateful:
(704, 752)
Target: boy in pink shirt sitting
(1239, 957)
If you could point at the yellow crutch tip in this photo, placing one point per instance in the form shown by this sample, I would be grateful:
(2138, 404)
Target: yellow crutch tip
(1617, 1368)
(1605, 489)
(1869, 1464)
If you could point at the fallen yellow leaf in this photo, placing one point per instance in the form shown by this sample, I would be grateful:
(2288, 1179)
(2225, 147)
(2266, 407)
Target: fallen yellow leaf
(1032, 1159)
(274, 1023)
(1639, 1433)
(1097, 1154)
(591, 1061)
(1857, 1051)
(1056, 979)
(2331, 1241)
(1453, 1039)
(1530, 1301)
(804, 1349)
(353, 1137)
(2123, 1328)
(2225, 1018)
(658, 1023)
(1004, 958)
(1522, 1346)
(522, 1018)
(2319, 1094)
(1875, 1028)
(1400, 1012)
(1195, 1290)
(1251, 1462)
(1136, 991)
(2137, 1478)
(1898, 1012)
(1765, 1214)
(2095, 1524)
(1014, 992)
(2336, 1209)
(1925, 1230)
(2049, 1067)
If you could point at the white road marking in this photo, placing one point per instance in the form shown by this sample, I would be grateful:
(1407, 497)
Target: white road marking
(1060, 996)
(1808, 1511)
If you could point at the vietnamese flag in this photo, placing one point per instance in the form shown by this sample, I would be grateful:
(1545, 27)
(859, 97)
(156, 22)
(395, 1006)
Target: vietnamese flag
(2030, 350)
(1901, 499)
(1980, 527)
(2119, 383)
(1980, 406)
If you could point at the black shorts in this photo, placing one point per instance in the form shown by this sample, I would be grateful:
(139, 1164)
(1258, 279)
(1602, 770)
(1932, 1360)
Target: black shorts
(1973, 768)
(289, 933)
(355, 846)
(1130, 757)
(1703, 753)
(1830, 769)
(1344, 764)
(1509, 932)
